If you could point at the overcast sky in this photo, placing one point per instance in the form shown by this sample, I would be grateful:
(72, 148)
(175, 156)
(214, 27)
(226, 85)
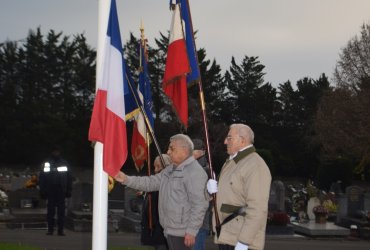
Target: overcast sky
(292, 38)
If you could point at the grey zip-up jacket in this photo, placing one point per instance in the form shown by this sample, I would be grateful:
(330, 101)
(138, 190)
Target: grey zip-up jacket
(183, 198)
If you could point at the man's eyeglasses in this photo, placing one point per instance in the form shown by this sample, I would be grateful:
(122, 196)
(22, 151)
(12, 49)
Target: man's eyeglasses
(230, 138)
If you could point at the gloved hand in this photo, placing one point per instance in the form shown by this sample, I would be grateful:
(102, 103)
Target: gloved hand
(212, 186)
(241, 246)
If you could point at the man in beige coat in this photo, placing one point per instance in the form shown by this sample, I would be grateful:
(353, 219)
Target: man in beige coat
(243, 186)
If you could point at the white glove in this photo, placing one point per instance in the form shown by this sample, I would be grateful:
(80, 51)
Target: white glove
(212, 186)
(241, 246)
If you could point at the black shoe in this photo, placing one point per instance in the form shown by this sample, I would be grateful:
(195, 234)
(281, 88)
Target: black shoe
(61, 234)
(49, 233)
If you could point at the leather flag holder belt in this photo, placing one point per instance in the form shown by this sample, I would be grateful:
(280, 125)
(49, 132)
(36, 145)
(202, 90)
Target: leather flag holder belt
(234, 210)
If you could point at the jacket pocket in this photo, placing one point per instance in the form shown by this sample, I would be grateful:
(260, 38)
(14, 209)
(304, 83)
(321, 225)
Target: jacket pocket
(234, 226)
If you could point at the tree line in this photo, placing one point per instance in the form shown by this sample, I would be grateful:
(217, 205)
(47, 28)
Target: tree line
(314, 127)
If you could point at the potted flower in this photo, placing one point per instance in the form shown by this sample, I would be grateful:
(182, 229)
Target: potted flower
(321, 213)
(277, 223)
(278, 218)
(332, 208)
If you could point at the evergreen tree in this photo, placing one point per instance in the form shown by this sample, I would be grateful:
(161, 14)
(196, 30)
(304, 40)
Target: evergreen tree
(251, 100)
(54, 82)
(299, 152)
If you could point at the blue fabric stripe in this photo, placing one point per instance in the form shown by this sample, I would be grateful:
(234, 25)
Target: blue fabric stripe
(113, 32)
(194, 75)
(145, 88)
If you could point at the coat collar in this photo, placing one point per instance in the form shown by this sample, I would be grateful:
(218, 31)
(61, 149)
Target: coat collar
(183, 164)
(244, 153)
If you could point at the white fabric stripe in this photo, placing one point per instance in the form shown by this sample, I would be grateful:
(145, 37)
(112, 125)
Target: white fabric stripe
(176, 28)
(113, 79)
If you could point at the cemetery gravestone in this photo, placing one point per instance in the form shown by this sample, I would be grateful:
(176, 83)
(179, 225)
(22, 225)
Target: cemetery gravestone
(79, 215)
(133, 205)
(277, 196)
(355, 197)
(27, 208)
(342, 207)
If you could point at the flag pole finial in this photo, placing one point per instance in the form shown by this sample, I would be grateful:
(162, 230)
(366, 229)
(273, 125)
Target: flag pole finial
(143, 40)
(142, 29)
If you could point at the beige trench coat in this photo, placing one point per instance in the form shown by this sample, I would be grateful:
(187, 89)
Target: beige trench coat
(245, 180)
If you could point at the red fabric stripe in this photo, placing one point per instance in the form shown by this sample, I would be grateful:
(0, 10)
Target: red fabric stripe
(138, 148)
(115, 146)
(177, 63)
(178, 93)
(97, 123)
(174, 79)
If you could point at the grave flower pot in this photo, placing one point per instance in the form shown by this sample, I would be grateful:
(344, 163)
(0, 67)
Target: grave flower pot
(321, 213)
(320, 218)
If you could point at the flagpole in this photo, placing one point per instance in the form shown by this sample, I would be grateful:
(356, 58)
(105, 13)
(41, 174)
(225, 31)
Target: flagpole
(100, 195)
(150, 216)
(204, 117)
(147, 136)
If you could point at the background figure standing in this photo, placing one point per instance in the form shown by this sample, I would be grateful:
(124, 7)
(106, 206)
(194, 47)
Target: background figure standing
(153, 236)
(55, 182)
(243, 190)
(199, 155)
(182, 200)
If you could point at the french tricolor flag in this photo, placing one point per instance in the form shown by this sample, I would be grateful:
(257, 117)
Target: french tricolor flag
(108, 124)
(177, 67)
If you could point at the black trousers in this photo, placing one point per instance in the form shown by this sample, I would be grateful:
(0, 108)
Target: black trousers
(56, 202)
(176, 243)
(225, 247)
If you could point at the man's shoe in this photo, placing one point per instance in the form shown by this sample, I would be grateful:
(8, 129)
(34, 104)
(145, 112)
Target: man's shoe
(61, 234)
(49, 233)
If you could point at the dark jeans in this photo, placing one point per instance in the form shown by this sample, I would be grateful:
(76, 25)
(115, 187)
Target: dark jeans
(200, 239)
(176, 243)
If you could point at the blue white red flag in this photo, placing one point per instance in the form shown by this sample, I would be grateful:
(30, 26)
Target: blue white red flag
(177, 67)
(108, 124)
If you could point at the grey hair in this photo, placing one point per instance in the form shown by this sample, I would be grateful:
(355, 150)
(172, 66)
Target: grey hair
(166, 158)
(244, 131)
(184, 141)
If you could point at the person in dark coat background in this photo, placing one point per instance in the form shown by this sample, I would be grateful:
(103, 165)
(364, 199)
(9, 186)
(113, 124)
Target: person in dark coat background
(55, 182)
(153, 236)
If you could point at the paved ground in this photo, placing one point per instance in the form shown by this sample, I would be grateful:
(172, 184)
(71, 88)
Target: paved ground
(82, 241)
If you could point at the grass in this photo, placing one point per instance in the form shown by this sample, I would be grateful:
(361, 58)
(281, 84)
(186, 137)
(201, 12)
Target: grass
(14, 246)
(130, 248)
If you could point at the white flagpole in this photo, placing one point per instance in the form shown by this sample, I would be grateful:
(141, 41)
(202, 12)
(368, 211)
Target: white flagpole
(100, 197)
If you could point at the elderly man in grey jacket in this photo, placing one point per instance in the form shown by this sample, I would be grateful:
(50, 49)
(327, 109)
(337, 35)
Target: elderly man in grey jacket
(182, 200)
